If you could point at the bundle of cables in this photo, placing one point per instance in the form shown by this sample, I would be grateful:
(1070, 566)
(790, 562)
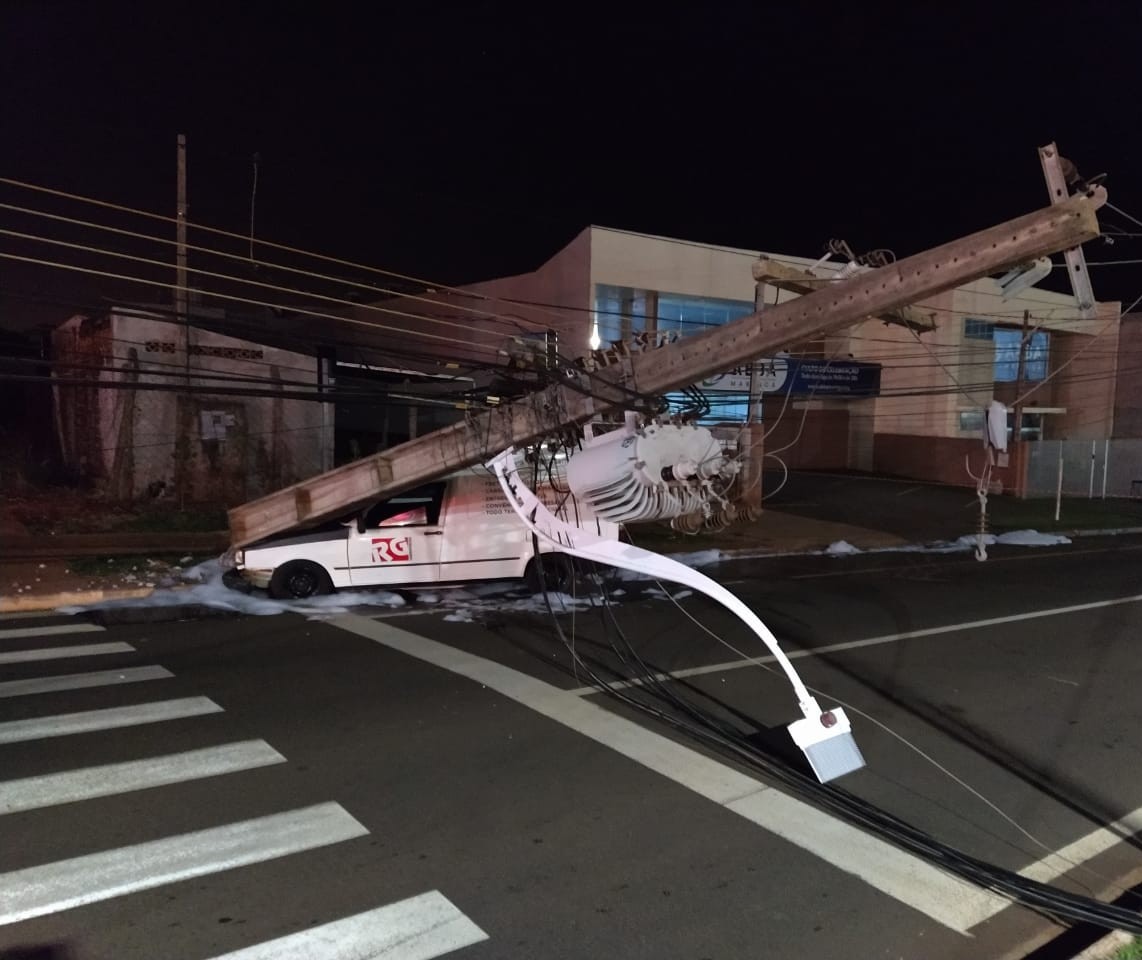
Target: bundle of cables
(656, 695)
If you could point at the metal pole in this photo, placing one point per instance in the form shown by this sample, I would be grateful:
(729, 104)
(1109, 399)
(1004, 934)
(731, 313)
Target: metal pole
(1093, 454)
(1017, 413)
(1105, 461)
(1059, 485)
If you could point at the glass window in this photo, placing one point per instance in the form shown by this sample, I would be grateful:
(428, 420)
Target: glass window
(418, 506)
(1007, 343)
(685, 314)
(971, 421)
(977, 329)
(620, 312)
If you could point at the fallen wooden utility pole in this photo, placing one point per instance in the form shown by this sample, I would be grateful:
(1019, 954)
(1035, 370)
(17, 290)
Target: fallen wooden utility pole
(346, 489)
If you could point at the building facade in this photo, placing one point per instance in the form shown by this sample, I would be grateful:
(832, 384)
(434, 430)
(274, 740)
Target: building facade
(924, 419)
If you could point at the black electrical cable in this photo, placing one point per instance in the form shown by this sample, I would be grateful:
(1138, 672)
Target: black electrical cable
(1043, 898)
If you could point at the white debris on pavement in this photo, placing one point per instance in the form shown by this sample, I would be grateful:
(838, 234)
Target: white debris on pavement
(842, 548)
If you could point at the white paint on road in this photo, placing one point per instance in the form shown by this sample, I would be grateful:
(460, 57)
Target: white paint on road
(51, 630)
(77, 681)
(944, 898)
(29, 615)
(875, 641)
(51, 887)
(89, 721)
(63, 653)
(419, 928)
(48, 790)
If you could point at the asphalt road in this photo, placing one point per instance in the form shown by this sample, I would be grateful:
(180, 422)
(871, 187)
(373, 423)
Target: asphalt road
(458, 787)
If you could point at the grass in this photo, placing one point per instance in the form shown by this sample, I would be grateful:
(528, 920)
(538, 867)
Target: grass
(186, 521)
(1131, 951)
(1076, 513)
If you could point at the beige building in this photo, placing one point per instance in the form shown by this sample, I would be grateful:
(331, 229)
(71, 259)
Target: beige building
(611, 284)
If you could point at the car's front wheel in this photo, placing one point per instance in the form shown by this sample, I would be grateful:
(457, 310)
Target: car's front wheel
(557, 573)
(299, 579)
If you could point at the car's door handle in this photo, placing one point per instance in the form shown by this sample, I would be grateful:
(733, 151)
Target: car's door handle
(434, 533)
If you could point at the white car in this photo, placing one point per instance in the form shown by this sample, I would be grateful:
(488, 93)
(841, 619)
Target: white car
(452, 531)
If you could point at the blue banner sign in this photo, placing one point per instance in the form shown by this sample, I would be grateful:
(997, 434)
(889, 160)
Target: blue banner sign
(801, 378)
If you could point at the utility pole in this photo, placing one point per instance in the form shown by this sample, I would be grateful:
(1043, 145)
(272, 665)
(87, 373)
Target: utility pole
(653, 371)
(182, 428)
(753, 434)
(1017, 411)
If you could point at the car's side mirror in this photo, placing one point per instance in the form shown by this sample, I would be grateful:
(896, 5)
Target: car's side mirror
(361, 522)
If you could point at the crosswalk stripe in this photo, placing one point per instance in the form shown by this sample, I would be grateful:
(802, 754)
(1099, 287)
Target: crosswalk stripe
(51, 630)
(62, 653)
(90, 721)
(77, 681)
(48, 790)
(418, 928)
(51, 887)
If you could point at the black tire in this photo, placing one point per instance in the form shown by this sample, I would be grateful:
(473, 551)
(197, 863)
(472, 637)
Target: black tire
(558, 573)
(299, 579)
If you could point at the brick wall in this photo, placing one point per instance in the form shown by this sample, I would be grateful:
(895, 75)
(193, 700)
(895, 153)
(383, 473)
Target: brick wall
(823, 444)
(1128, 395)
(939, 459)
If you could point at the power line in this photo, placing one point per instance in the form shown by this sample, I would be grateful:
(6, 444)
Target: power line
(275, 266)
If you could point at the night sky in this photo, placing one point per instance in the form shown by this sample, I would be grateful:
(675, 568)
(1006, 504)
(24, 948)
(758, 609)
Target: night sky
(458, 143)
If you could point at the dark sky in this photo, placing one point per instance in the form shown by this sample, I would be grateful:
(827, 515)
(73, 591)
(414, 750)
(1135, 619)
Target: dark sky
(459, 142)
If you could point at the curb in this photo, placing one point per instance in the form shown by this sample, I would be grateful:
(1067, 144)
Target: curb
(49, 601)
(1104, 949)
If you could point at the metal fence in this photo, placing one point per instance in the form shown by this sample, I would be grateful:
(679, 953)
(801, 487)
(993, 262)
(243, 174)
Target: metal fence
(1085, 468)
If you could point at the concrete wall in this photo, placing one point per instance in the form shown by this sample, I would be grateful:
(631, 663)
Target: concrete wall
(221, 448)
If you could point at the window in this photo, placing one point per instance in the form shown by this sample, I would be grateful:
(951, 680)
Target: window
(1007, 343)
(620, 312)
(971, 421)
(686, 314)
(418, 506)
(978, 329)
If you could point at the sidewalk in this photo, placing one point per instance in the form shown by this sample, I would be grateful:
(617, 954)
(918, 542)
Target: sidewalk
(809, 514)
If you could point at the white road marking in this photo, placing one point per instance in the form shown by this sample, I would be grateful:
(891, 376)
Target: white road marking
(51, 630)
(33, 615)
(32, 793)
(77, 681)
(874, 641)
(1074, 854)
(62, 653)
(941, 896)
(88, 721)
(51, 887)
(418, 928)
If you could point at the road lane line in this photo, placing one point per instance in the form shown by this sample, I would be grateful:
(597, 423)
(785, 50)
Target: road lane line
(51, 887)
(872, 642)
(418, 928)
(77, 681)
(109, 779)
(89, 721)
(62, 653)
(34, 615)
(52, 630)
(944, 898)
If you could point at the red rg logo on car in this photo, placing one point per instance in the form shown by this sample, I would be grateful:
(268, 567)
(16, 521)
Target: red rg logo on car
(392, 550)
